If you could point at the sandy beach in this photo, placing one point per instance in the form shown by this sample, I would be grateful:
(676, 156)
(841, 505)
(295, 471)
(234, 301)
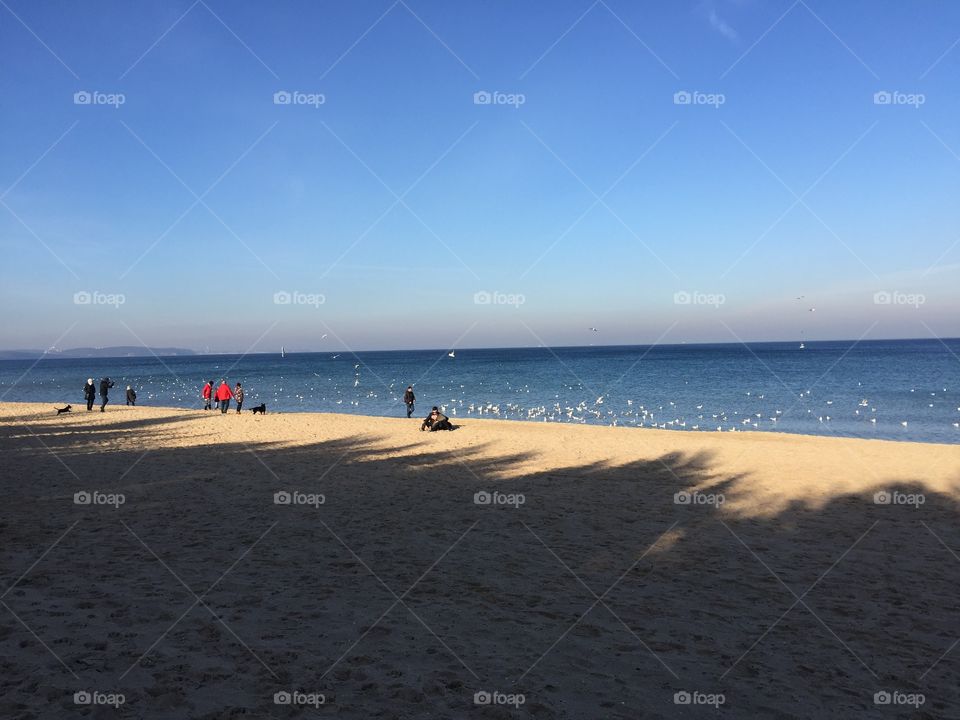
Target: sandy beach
(299, 565)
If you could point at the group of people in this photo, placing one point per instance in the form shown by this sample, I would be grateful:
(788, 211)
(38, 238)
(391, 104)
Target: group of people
(436, 420)
(221, 397)
(90, 393)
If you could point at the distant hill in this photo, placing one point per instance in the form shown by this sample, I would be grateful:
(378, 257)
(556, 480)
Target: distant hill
(102, 352)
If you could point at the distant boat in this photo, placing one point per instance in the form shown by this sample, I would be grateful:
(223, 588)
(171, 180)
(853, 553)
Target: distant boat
(451, 354)
(282, 353)
(802, 346)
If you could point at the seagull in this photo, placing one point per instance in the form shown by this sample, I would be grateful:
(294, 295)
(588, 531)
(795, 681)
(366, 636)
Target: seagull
(323, 336)
(904, 423)
(593, 329)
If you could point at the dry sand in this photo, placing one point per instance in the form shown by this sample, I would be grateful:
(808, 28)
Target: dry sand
(600, 596)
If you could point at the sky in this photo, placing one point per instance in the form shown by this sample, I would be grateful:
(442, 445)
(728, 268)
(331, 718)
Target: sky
(379, 174)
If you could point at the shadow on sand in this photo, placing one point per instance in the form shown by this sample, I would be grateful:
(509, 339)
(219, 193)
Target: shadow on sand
(403, 594)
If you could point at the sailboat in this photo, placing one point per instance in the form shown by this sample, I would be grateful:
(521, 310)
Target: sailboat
(282, 353)
(802, 346)
(451, 354)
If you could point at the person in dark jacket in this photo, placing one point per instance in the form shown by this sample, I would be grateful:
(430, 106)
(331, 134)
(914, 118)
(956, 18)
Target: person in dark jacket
(238, 395)
(105, 385)
(409, 399)
(436, 420)
(89, 393)
(131, 396)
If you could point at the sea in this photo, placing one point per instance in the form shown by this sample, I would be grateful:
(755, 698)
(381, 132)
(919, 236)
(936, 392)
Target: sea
(906, 390)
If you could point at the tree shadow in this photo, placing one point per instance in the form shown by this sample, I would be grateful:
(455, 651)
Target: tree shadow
(421, 578)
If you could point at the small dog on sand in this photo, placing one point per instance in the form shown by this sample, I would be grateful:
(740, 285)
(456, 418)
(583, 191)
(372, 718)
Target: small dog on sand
(61, 411)
(261, 408)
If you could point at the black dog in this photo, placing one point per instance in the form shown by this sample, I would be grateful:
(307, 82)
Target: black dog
(61, 411)
(261, 408)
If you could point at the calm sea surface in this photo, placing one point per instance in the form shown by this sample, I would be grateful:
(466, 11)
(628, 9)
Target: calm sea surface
(868, 389)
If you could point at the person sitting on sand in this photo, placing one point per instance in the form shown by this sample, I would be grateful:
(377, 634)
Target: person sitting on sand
(223, 396)
(436, 420)
(238, 394)
(131, 396)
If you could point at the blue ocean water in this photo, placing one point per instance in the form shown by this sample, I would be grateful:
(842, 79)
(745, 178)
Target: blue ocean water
(866, 389)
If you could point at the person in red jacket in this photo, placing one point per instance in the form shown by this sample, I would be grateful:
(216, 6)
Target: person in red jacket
(224, 394)
(207, 394)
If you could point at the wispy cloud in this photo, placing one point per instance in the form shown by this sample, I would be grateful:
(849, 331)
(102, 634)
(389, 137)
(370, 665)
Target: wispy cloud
(722, 26)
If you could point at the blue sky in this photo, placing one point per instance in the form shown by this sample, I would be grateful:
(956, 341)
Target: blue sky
(586, 195)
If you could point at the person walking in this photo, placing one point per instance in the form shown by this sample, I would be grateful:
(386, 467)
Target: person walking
(223, 396)
(131, 396)
(89, 393)
(105, 385)
(238, 394)
(409, 399)
(207, 394)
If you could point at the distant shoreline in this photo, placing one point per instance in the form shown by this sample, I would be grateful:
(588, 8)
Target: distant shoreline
(78, 353)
